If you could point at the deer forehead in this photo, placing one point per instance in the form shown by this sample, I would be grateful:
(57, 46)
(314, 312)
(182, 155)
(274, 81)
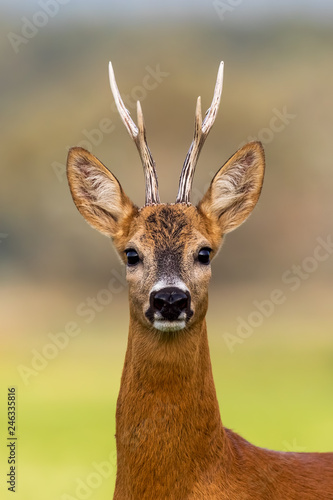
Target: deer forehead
(170, 229)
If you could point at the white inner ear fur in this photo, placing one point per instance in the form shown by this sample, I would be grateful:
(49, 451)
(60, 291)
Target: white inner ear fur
(106, 191)
(229, 186)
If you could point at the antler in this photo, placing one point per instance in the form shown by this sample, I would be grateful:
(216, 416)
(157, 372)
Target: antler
(201, 131)
(138, 135)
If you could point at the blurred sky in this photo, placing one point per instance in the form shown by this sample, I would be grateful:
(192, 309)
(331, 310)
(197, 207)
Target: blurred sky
(134, 9)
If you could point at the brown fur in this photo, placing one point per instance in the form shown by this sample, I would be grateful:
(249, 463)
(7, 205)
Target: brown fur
(171, 443)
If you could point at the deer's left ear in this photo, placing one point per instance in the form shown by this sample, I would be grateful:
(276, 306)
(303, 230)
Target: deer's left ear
(235, 189)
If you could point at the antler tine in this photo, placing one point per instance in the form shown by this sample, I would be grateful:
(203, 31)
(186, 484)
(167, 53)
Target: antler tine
(122, 110)
(138, 135)
(201, 131)
(152, 196)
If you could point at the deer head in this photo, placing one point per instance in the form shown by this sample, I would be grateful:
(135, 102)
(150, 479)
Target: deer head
(167, 248)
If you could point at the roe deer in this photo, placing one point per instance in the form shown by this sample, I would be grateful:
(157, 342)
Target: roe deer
(171, 443)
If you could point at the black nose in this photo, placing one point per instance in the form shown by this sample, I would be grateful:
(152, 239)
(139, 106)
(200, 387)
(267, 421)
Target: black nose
(170, 302)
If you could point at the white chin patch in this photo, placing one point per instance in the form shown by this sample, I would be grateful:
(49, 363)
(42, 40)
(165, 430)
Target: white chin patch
(169, 326)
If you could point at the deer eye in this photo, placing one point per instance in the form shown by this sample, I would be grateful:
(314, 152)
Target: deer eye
(204, 255)
(132, 257)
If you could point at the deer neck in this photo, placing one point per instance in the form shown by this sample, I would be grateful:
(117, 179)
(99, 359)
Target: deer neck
(168, 418)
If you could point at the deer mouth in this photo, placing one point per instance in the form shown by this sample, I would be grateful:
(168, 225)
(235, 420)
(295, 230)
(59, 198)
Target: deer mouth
(169, 326)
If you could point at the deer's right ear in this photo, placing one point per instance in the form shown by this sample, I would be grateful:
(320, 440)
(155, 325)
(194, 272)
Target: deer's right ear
(97, 194)
(235, 189)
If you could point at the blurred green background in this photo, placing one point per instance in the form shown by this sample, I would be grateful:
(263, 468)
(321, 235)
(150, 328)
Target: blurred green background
(274, 374)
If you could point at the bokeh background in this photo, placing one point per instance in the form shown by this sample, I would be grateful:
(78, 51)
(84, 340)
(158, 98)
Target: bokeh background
(63, 332)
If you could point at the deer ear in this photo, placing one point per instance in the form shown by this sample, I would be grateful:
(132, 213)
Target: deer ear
(97, 194)
(235, 189)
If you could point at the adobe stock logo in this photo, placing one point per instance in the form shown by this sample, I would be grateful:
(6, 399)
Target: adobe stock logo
(30, 27)
(99, 473)
(292, 280)
(225, 7)
(56, 343)
(279, 120)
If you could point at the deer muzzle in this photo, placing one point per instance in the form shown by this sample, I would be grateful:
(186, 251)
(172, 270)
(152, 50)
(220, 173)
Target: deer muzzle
(169, 308)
